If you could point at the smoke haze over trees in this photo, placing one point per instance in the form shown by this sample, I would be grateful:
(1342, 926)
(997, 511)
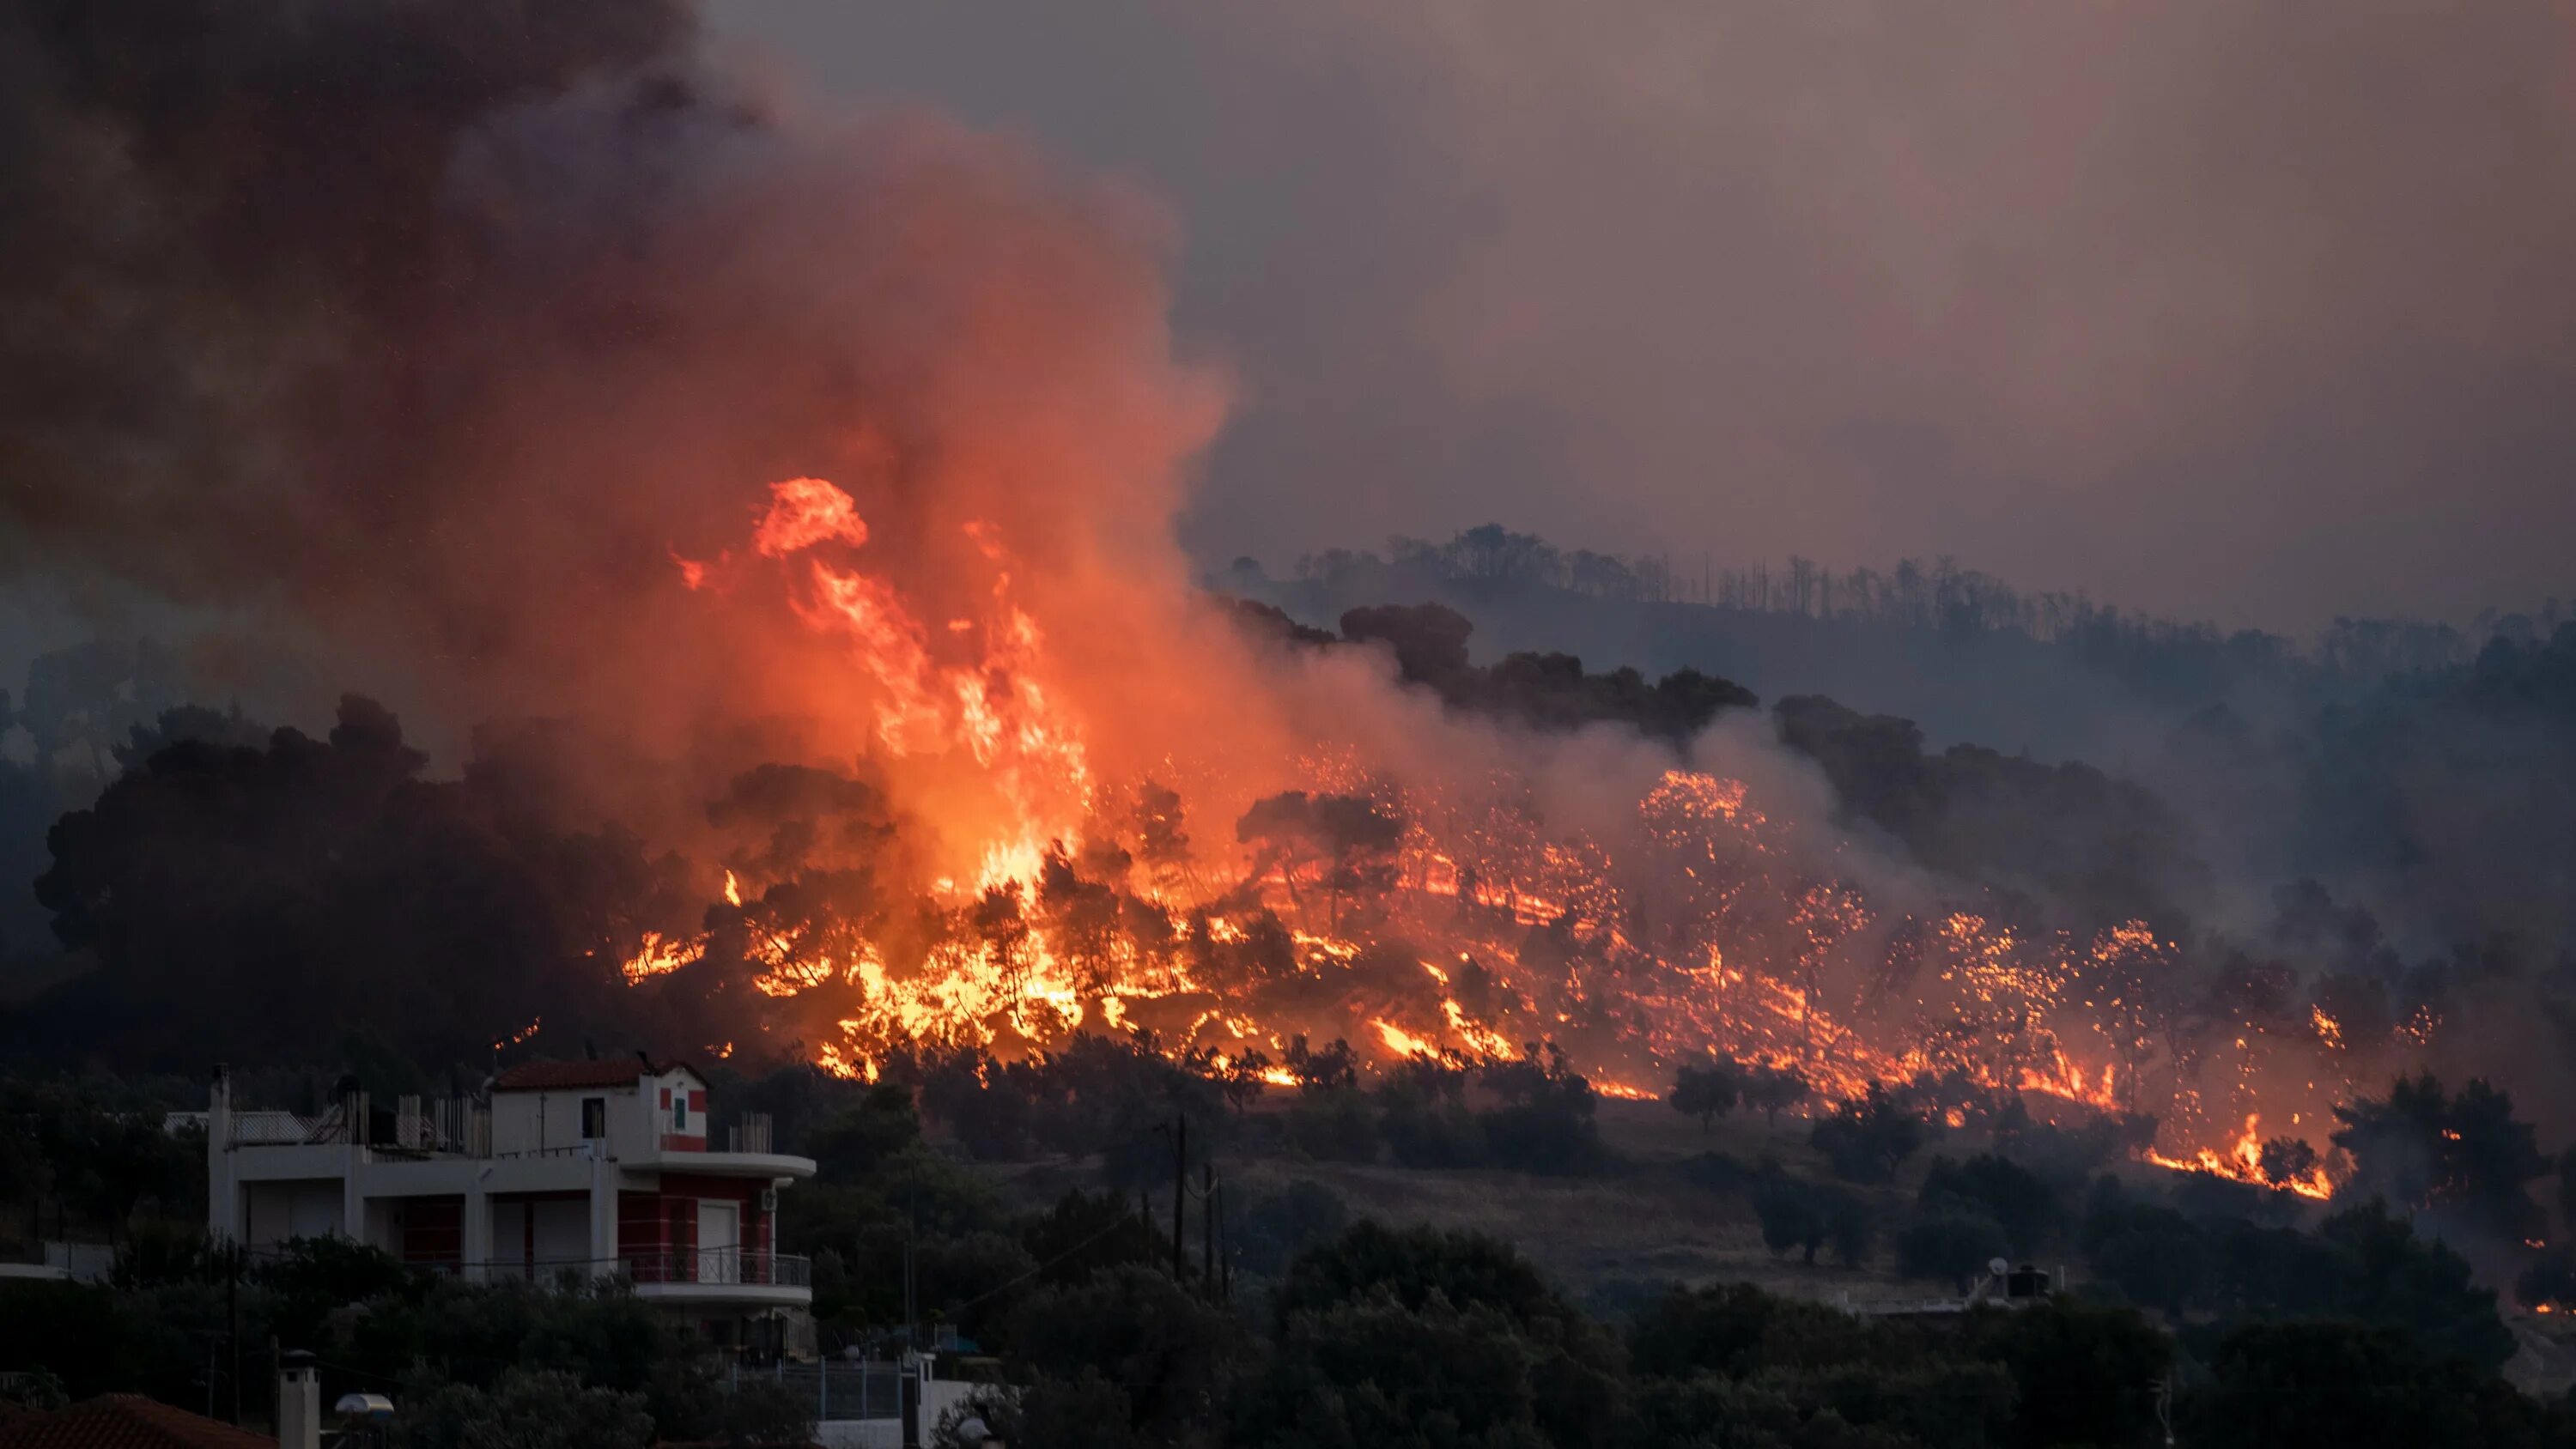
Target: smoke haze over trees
(447, 354)
(2255, 316)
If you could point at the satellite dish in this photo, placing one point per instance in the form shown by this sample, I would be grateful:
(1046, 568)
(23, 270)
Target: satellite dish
(1998, 1266)
(972, 1430)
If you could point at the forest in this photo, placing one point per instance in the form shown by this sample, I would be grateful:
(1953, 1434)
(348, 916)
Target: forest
(327, 910)
(1019, 1206)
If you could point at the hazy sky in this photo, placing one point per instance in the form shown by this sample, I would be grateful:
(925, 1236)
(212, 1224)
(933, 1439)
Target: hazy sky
(2255, 311)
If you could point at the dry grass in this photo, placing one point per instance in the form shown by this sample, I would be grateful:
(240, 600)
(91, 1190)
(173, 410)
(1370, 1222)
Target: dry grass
(1645, 1223)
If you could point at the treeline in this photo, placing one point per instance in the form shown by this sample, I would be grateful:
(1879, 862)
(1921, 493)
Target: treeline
(80, 718)
(250, 900)
(1319, 1328)
(2074, 846)
(1366, 1335)
(1371, 1335)
(1911, 595)
(467, 1366)
(2417, 770)
(2460, 1165)
(2101, 848)
(1539, 690)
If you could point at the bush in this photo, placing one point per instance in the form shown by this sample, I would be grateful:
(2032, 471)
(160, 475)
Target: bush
(2339, 1383)
(2027, 1208)
(853, 1143)
(689, 1405)
(1868, 1138)
(1086, 1233)
(1771, 1091)
(1707, 1093)
(2153, 1254)
(2086, 1373)
(1423, 1117)
(2551, 1280)
(1789, 1218)
(1169, 1349)
(1718, 1171)
(1332, 1124)
(1955, 1246)
(1271, 1229)
(2422, 1148)
(1412, 1264)
(1848, 1226)
(986, 1107)
(1080, 1411)
(1545, 1123)
(1806, 1216)
(539, 1409)
(1717, 1329)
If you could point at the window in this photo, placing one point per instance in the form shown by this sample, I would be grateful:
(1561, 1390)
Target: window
(594, 1118)
(680, 1111)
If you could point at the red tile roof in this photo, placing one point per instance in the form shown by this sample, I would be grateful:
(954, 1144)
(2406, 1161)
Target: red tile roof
(564, 1076)
(125, 1421)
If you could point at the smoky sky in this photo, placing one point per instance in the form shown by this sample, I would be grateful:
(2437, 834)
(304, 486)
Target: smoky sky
(2255, 312)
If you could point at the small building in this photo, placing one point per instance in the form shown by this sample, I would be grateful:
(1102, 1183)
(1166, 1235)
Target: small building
(124, 1421)
(560, 1172)
(2003, 1286)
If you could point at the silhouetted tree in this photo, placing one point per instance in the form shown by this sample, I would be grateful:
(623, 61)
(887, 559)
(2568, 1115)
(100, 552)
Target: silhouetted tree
(1707, 1093)
(2423, 1148)
(1867, 1137)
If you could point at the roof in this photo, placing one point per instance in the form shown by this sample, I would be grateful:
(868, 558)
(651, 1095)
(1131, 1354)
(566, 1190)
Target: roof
(125, 1421)
(564, 1076)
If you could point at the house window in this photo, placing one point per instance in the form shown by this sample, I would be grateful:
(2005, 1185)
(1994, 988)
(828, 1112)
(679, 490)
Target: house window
(594, 1118)
(679, 1111)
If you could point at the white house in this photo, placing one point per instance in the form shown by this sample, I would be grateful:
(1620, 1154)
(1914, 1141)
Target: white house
(590, 1169)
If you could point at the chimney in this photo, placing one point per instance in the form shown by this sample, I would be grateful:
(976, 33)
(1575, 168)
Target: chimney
(223, 1199)
(299, 1401)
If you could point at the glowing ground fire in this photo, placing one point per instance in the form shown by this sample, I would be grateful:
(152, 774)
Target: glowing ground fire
(1412, 919)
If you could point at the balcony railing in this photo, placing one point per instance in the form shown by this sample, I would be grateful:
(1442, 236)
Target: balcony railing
(709, 1266)
(720, 1265)
(447, 1127)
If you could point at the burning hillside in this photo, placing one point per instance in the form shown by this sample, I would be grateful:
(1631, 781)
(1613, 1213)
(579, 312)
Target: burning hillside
(483, 420)
(1010, 891)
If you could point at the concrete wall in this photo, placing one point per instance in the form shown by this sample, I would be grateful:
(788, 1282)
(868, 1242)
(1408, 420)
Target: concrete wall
(525, 1122)
(277, 1211)
(640, 1118)
(859, 1434)
(670, 1129)
(937, 1397)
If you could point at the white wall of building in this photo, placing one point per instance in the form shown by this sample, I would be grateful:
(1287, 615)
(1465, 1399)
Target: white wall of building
(637, 1119)
(527, 1122)
(277, 1211)
(661, 1122)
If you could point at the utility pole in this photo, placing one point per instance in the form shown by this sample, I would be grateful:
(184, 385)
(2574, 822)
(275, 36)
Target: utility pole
(1207, 1225)
(1180, 1190)
(1224, 1259)
(232, 1317)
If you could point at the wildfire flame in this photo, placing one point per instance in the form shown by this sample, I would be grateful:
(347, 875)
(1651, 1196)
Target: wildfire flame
(1414, 918)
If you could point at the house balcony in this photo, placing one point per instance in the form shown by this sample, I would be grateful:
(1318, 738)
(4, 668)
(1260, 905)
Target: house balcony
(730, 1277)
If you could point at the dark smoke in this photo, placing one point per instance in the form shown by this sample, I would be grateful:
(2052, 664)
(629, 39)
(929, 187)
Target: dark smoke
(433, 331)
(246, 302)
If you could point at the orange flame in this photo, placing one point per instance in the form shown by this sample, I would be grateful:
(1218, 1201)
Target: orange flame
(1465, 925)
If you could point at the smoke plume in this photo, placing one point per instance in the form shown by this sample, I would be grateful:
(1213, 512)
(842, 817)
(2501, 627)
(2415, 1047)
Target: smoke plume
(437, 330)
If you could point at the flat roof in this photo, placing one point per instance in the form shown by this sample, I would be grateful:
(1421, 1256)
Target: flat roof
(566, 1076)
